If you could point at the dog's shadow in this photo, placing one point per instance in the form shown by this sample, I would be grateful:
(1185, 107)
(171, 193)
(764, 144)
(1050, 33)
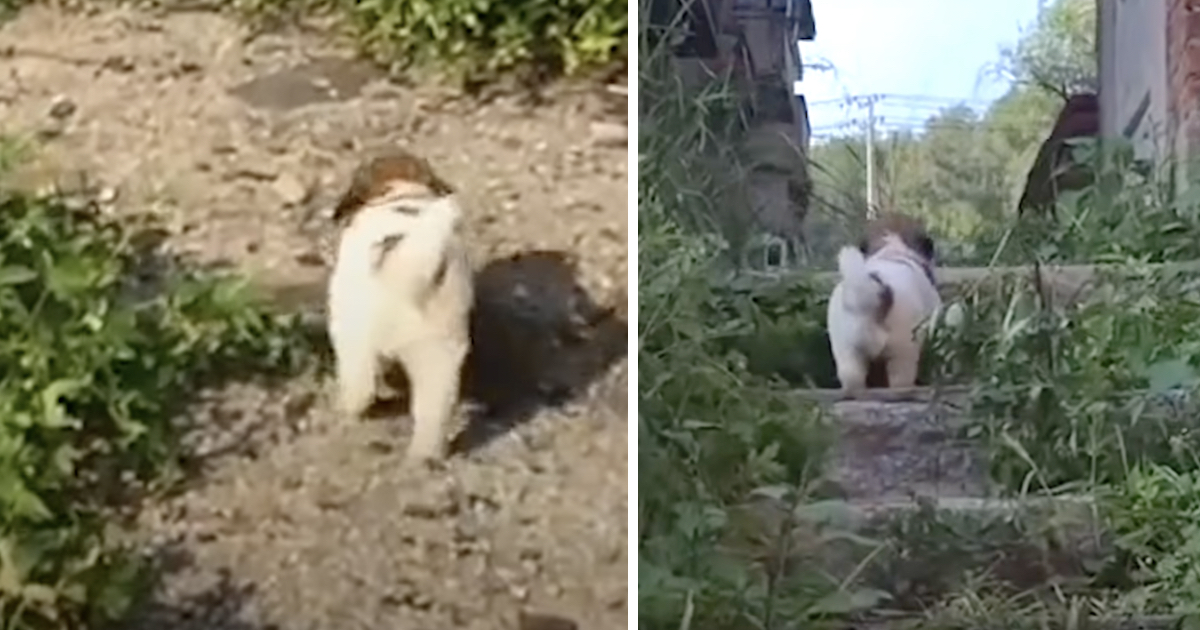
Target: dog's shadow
(538, 339)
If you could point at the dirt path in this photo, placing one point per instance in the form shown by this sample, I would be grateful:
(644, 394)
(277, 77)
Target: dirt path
(304, 520)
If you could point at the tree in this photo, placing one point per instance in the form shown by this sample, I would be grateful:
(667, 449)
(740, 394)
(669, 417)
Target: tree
(963, 171)
(1058, 54)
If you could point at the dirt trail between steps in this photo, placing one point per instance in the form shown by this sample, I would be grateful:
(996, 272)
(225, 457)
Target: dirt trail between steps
(302, 519)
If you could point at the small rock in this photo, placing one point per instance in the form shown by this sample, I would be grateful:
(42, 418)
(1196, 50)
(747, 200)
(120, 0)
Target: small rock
(107, 195)
(310, 258)
(291, 190)
(50, 132)
(299, 405)
(382, 447)
(607, 134)
(257, 173)
(538, 621)
(62, 107)
(118, 63)
(188, 67)
(431, 508)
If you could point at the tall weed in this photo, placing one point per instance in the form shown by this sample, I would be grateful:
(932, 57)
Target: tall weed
(100, 344)
(727, 459)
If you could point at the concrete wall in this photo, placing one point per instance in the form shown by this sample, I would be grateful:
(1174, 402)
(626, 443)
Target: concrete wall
(1134, 99)
(1150, 60)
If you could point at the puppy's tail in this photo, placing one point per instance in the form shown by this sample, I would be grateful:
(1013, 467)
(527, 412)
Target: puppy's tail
(862, 291)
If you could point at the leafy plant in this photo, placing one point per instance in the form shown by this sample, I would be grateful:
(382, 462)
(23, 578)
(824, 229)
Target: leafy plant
(100, 343)
(475, 40)
(1157, 511)
(731, 533)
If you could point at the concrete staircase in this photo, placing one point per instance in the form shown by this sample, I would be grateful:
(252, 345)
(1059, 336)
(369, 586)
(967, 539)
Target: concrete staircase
(904, 476)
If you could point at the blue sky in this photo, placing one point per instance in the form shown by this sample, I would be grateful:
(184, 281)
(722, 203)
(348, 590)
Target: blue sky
(932, 52)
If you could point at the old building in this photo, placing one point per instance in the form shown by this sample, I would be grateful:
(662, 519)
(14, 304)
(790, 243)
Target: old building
(756, 41)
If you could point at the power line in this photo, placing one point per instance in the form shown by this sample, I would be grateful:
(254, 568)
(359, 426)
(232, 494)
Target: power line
(928, 99)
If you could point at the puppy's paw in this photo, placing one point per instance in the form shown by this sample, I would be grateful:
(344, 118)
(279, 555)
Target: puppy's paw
(354, 403)
(425, 459)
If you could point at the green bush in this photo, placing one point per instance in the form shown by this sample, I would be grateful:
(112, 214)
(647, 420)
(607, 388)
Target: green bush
(715, 440)
(477, 40)
(1099, 394)
(1079, 391)
(100, 344)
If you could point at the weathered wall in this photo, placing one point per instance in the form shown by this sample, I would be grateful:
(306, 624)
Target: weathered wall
(756, 44)
(1183, 76)
(1134, 99)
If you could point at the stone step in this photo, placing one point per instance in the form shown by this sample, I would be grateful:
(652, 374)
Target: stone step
(899, 443)
(1062, 621)
(918, 552)
(922, 514)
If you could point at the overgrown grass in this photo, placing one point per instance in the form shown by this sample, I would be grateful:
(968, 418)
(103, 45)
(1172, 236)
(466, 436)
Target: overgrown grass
(1092, 394)
(1097, 394)
(719, 448)
(101, 344)
(473, 40)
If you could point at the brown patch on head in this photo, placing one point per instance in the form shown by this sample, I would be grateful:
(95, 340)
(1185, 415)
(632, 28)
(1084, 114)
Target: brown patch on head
(379, 176)
(910, 230)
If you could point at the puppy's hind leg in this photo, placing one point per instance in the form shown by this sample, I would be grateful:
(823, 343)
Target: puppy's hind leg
(434, 372)
(357, 375)
(851, 373)
(902, 365)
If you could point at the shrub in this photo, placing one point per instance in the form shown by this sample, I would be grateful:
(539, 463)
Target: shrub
(477, 39)
(715, 440)
(99, 345)
(1098, 394)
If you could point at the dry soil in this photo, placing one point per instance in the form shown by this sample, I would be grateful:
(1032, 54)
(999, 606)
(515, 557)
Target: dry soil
(299, 519)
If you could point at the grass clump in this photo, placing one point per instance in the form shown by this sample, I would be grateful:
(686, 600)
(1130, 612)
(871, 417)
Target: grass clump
(1096, 393)
(1092, 393)
(100, 345)
(730, 530)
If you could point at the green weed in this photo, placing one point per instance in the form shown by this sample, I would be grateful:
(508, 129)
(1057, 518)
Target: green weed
(473, 40)
(100, 346)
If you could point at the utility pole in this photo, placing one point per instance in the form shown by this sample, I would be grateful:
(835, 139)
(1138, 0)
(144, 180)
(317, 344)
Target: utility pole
(871, 206)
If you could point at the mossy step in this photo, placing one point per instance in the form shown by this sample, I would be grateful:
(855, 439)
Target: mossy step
(897, 443)
(918, 552)
(1062, 621)
(901, 443)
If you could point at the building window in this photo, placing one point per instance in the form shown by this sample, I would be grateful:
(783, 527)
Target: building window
(699, 38)
(773, 102)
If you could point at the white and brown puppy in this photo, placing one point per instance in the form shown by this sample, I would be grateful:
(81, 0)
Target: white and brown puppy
(401, 290)
(887, 291)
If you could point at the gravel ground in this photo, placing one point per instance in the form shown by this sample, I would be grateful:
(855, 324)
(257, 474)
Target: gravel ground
(298, 518)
